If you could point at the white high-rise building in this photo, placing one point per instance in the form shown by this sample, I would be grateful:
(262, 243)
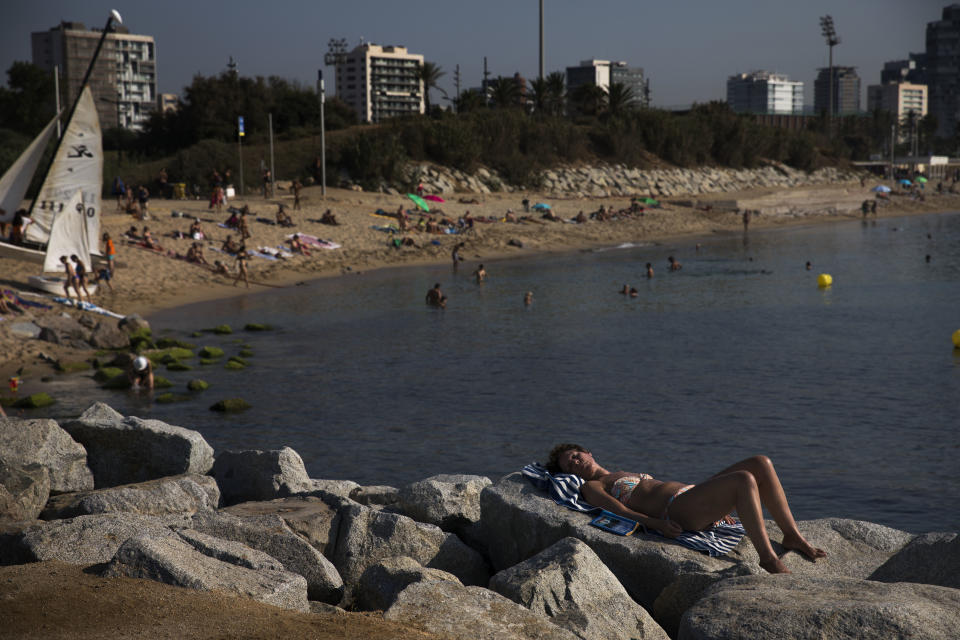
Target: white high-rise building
(123, 81)
(764, 92)
(381, 82)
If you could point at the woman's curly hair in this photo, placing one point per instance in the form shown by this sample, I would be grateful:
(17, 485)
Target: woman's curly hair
(553, 460)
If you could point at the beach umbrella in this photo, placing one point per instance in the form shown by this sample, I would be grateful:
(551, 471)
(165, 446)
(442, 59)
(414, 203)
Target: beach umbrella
(433, 198)
(881, 188)
(905, 181)
(649, 201)
(541, 206)
(419, 202)
(921, 179)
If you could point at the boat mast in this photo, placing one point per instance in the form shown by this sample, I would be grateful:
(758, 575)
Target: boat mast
(113, 17)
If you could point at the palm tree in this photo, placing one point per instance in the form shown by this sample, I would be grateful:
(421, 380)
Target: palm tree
(504, 92)
(588, 99)
(620, 99)
(470, 100)
(556, 92)
(541, 96)
(429, 74)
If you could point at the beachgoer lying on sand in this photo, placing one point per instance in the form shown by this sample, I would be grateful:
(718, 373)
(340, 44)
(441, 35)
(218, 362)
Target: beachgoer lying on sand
(220, 269)
(510, 216)
(140, 373)
(229, 246)
(296, 246)
(195, 254)
(8, 307)
(329, 218)
(148, 239)
(132, 235)
(747, 486)
(551, 216)
(581, 218)
(283, 218)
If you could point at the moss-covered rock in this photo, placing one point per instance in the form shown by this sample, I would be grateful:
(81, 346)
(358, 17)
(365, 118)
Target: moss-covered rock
(255, 326)
(210, 353)
(167, 343)
(34, 401)
(159, 382)
(7, 402)
(246, 353)
(176, 365)
(198, 385)
(231, 404)
(70, 367)
(140, 344)
(169, 397)
(107, 373)
(220, 330)
(209, 360)
(196, 334)
(120, 381)
(233, 365)
(238, 359)
(143, 332)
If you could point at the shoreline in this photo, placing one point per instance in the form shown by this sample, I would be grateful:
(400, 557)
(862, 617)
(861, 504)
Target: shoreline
(149, 282)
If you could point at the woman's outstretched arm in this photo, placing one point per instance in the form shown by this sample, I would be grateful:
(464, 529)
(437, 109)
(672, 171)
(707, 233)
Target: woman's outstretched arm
(593, 492)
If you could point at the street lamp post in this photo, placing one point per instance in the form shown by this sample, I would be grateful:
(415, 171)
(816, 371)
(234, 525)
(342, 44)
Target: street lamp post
(336, 55)
(830, 33)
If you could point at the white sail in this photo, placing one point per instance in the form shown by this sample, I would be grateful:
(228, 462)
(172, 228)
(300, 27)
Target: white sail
(68, 235)
(77, 165)
(14, 183)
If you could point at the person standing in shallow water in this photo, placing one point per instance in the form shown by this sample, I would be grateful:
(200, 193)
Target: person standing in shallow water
(649, 271)
(746, 486)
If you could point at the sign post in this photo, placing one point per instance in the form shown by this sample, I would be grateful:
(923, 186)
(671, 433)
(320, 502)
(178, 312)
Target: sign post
(240, 150)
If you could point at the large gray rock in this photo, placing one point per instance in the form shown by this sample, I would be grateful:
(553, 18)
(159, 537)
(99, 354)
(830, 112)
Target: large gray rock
(367, 536)
(342, 488)
(107, 335)
(308, 516)
(23, 490)
(469, 613)
(568, 583)
(172, 560)
(24, 442)
(260, 475)
(376, 496)
(125, 450)
(269, 534)
(186, 494)
(63, 329)
(452, 502)
(518, 521)
(229, 551)
(382, 582)
(765, 607)
(931, 558)
(83, 540)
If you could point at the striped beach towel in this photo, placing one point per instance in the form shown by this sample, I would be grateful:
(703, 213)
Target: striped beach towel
(564, 489)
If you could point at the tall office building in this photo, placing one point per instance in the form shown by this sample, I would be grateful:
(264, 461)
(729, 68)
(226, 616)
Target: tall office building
(910, 70)
(603, 73)
(846, 91)
(381, 82)
(123, 81)
(900, 99)
(942, 71)
(762, 92)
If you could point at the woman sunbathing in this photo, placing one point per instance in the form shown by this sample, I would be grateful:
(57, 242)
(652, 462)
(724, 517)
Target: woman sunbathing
(746, 486)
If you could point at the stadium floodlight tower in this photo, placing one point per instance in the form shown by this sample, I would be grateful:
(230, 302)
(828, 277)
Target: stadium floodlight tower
(830, 33)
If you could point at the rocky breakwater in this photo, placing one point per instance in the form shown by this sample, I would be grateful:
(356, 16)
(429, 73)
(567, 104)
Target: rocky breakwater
(457, 555)
(617, 180)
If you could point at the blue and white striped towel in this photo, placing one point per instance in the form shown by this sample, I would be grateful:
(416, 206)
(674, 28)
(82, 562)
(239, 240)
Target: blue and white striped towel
(564, 489)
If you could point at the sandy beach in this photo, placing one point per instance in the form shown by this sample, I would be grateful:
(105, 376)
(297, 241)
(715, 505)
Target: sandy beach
(146, 281)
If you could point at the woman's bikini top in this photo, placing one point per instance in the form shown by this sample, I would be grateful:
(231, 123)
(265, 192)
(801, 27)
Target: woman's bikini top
(623, 487)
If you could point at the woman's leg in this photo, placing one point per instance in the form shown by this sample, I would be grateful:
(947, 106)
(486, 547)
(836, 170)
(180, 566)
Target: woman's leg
(708, 501)
(775, 500)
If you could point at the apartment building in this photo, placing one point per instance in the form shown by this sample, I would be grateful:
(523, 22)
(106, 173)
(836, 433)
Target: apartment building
(763, 92)
(381, 82)
(603, 73)
(846, 91)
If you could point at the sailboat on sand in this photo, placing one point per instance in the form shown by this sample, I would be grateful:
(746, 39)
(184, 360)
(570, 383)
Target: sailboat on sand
(64, 218)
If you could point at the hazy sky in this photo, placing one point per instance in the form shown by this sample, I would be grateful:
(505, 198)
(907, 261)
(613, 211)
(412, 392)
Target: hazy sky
(687, 47)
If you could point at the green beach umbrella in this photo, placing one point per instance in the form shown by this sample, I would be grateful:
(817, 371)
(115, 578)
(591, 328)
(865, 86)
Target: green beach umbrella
(420, 202)
(921, 179)
(649, 201)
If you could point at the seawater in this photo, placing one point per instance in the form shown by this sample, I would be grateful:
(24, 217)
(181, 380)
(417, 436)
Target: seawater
(851, 390)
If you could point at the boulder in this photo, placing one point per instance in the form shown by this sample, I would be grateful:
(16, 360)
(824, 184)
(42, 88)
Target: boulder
(568, 583)
(469, 613)
(133, 323)
(272, 536)
(229, 551)
(452, 502)
(125, 450)
(25, 330)
(83, 540)
(382, 496)
(382, 582)
(369, 535)
(762, 607)
(24, 442)
(23, 490)
(229, 405)
(184, 494)
(63, 329)
(931, 558)
(171, 560)
(340, 488)
(107, 335)
(260, 475)
(308, 516)
(34, 401)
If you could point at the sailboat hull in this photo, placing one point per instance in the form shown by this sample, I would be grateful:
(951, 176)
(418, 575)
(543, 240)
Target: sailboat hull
(18, 252)
(54, 285)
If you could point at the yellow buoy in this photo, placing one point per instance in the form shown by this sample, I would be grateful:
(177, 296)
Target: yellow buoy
(824, 280)
(956, 339)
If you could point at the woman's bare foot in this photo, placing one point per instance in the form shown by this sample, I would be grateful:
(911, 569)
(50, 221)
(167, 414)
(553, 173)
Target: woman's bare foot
(800, 545)
(774, 566)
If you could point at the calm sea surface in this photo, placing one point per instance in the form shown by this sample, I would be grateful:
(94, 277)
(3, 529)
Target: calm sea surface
(853, 391)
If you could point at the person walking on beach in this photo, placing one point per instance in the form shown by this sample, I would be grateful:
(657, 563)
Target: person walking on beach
(242, 266)
(110, 251)
(296, 186)
(81, 277)
(71, 280)
(266, 183)
(143, 197)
